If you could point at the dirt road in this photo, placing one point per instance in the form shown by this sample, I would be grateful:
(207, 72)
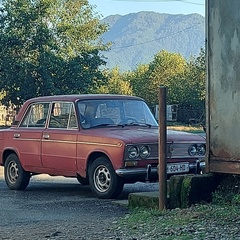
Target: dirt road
(59, 208)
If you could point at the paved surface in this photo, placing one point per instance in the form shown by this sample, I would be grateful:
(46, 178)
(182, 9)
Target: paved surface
(59, 208)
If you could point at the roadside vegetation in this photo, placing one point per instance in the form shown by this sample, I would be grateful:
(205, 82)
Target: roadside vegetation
(196, 128)
(219, 219)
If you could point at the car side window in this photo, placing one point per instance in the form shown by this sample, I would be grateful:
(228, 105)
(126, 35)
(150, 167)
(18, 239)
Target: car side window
(35, 116)
(63, 116)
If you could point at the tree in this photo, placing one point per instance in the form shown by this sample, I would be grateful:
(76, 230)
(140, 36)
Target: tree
(117, 83)
(196, 81)
(138, 80)
(148, 78)
(49, 47)
(185, 82)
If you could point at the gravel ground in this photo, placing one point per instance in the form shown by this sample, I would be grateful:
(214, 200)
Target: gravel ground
(218, 220)
(198, 222)
(83, 227)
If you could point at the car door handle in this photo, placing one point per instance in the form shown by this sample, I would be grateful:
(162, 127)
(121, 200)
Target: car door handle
(46, 136)
(16, 135)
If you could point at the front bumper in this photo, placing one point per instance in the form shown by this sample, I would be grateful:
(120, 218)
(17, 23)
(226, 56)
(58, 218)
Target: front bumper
(151, 172)
(147, 173)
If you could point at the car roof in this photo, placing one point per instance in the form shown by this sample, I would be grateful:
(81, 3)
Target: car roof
(76, 97)
(72, 98)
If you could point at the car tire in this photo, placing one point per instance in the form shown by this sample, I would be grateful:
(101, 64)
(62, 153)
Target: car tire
(103, 180)
(16, 177)
(82, 180)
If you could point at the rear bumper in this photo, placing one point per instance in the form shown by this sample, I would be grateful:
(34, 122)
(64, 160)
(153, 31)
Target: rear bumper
(152, 172)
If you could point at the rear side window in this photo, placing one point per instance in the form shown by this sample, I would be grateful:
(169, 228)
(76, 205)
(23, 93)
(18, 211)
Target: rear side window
(63, 116)
(36, 115)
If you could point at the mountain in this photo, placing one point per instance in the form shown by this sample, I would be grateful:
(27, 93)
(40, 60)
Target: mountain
(137, 37)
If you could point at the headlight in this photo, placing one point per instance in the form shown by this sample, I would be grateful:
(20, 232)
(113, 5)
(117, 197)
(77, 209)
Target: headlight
(192, 150)
(138, 152)
(201, 150)
(144, 151)
(132, 152)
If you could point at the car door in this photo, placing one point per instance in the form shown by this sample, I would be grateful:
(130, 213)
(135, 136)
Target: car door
(27, 136)
(59, 140)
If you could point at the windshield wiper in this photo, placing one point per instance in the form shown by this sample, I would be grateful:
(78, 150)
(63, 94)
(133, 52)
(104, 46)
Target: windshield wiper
(121, 125)
(138, 124)
(107, 125)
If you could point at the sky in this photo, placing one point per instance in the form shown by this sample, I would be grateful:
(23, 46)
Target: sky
(123, 7)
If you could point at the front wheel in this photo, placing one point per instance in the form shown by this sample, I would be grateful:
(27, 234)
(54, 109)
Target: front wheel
(103, 180)
(16, 177)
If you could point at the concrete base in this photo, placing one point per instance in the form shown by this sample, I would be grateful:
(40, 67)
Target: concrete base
(183, 191)
(144, 199)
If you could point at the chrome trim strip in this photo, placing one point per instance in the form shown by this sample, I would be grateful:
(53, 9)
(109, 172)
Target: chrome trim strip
(101, 144)
(27, 139)
(58, 141)
(71, 142)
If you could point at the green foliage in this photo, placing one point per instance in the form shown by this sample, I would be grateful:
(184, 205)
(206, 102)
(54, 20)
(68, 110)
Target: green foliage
(236, 199)
(184, 80)
(48, 47)
(138, 80)
(186, 185)
(228, 191)
(196, 222)
(117, 83)
(196, 81)
(162, 71)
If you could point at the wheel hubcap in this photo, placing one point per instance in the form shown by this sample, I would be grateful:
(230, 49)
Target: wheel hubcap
(102, 178)
(12, 172)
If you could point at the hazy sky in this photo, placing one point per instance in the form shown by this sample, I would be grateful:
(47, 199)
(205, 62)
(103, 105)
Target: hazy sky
(123, 7)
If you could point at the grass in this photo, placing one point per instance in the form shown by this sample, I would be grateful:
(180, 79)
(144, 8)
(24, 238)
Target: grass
(219, 219)
(196, 128)
(196, 222)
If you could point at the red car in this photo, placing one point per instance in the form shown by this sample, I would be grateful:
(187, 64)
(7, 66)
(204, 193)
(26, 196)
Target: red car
(102, 140)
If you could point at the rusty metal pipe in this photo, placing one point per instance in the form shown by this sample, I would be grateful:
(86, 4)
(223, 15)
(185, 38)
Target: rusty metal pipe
(162, 147)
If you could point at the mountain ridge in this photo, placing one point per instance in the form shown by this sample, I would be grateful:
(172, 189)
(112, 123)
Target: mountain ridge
(137, 37)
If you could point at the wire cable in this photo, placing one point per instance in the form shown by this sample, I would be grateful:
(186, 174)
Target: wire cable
(184, 1)
(160, 38)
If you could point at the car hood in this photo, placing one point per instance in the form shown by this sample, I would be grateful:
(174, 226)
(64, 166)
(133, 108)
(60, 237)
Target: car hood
(144, 134)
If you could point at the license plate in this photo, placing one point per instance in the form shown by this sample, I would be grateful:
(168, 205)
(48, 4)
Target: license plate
(177, 168)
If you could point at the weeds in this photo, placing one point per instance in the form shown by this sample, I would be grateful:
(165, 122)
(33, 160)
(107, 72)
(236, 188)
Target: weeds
(216, 220)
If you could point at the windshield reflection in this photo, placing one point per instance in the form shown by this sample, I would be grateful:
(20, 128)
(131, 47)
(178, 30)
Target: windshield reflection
(105, 113)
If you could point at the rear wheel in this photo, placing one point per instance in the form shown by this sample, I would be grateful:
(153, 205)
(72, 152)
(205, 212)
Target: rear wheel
(103, 180)
(16, 177)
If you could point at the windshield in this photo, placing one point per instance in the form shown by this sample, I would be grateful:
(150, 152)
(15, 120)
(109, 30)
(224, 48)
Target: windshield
(100, 113)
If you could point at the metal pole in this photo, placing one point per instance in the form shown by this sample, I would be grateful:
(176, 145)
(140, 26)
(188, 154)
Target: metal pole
(162, 149)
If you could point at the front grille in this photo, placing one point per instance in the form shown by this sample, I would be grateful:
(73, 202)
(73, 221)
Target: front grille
(180, 150)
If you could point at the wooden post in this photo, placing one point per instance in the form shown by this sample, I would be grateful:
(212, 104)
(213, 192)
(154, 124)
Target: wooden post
(162, 150)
